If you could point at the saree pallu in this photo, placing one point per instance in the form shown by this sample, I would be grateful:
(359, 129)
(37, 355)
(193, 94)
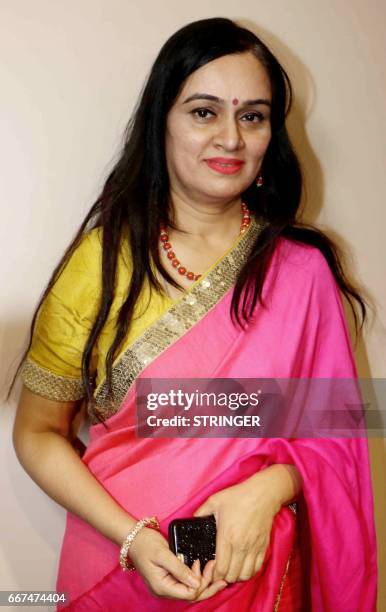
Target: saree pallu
(300, 333)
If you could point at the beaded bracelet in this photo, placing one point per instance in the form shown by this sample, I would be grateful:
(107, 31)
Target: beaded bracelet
(151, 522)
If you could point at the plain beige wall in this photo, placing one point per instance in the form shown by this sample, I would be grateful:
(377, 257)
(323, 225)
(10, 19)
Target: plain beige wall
(69, 75)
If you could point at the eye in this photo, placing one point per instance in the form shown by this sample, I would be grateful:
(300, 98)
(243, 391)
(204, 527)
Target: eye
(254, 117)
(202, 113)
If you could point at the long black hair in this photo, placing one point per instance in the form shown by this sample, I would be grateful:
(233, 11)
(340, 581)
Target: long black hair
(135, 194)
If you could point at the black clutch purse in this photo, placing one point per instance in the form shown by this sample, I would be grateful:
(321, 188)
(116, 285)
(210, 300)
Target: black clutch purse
(193, 538)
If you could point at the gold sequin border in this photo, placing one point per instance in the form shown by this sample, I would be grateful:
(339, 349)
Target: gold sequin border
(172, 325)
(49, 385)
(294, 509)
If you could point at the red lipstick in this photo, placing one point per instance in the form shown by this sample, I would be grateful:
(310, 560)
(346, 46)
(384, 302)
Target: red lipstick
(225, 165)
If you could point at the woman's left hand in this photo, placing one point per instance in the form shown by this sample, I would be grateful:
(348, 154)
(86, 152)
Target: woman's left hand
(244, 514)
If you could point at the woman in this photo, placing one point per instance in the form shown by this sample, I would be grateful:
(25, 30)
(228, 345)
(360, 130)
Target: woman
(191, 265)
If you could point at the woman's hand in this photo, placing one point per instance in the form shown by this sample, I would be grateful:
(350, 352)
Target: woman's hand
(244, 514)
(209, 587)
(165, 575)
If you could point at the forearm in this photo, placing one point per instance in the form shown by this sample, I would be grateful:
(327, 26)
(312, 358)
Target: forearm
(283, 481)
(54, 465)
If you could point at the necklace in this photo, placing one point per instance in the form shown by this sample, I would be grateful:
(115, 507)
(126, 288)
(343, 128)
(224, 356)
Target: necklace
(175, 262)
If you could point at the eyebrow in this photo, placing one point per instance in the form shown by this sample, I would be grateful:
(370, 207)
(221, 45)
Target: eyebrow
(204, 96)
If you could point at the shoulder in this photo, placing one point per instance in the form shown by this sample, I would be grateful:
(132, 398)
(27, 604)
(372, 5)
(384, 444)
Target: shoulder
(83, 268)
(300, 258)
(87, 254)
(81, 272)
(299, 272)
(90, 248)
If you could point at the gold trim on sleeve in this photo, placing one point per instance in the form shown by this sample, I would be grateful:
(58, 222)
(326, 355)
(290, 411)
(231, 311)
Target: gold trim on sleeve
(49, 385)
(177, 321)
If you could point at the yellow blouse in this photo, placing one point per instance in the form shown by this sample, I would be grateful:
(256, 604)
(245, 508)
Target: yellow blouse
(52, 367)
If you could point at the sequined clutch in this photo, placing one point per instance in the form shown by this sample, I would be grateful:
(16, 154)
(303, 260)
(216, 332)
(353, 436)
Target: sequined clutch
(193, 538)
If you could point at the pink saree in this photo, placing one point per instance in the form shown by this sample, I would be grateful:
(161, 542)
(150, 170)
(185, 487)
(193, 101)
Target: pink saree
(300, 333)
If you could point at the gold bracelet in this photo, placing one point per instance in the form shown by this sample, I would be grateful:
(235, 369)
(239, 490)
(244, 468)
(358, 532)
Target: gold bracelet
(151, 522)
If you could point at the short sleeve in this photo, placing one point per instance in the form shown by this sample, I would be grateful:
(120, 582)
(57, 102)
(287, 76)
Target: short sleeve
(52, 367)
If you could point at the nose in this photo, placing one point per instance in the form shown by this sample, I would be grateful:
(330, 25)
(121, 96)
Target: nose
(228, 135)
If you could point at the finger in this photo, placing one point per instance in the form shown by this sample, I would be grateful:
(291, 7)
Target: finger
(203, 510)
(214, 588)
(208, 570)
(235, 564)
(259, 562)
(196, 568)
(180, 571)
(248, 568)
(208, 573)
(223, 558)
(166, 585)
(206, 577)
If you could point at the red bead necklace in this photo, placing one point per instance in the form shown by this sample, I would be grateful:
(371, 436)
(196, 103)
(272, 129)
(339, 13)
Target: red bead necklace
(166, 245)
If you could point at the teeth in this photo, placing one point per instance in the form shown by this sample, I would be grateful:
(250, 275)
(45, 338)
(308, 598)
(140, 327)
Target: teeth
(225, 165)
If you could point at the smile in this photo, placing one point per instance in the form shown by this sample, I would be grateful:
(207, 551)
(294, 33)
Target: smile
(225, 165)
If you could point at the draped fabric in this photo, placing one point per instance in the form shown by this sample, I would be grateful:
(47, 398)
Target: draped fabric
(324, 559)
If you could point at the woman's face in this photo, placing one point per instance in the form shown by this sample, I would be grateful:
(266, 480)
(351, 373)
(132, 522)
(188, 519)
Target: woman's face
(218, 129)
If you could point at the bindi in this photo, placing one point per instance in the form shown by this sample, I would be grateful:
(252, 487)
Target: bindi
(235, 101)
